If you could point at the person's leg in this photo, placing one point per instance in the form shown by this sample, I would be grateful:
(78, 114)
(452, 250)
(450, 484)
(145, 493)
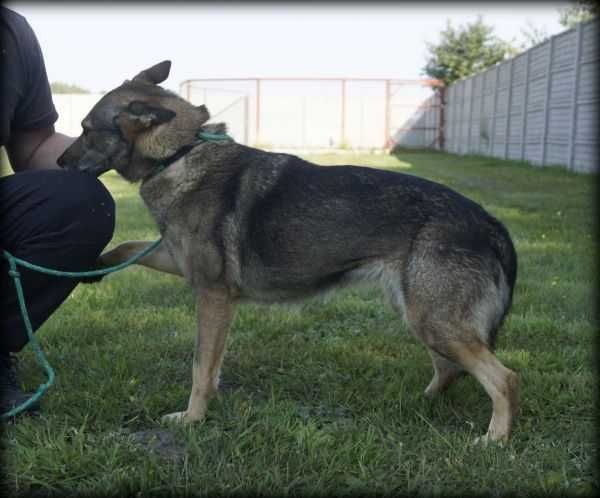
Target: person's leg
(51, 218)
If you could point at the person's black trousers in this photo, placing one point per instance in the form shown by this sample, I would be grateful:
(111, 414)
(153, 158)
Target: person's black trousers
(52, 218)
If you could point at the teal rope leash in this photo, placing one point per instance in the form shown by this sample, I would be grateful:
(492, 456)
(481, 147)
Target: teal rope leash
(214, 137)
(13, 262)
(13, 271)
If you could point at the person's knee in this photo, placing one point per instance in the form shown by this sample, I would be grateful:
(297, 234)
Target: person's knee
(93, 208)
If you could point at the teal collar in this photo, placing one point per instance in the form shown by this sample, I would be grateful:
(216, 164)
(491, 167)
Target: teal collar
(204, 136)
(213, 137)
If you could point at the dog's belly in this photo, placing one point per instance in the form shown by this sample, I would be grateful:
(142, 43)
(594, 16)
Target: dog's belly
(293, 272)
(273, 286)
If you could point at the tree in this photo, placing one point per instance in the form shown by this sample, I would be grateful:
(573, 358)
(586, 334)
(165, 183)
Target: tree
(60, 87)
(465, 51)
(533, 35)
(578, 11)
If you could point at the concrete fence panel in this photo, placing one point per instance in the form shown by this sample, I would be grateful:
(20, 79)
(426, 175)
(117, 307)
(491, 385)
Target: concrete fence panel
(541, 106)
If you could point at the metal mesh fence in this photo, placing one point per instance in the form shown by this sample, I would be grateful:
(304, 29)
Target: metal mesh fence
(331, 113)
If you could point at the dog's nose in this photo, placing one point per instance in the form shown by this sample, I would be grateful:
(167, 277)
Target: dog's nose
(61, 160)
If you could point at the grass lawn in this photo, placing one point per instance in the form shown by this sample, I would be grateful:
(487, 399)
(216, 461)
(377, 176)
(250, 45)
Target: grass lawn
(326, 398)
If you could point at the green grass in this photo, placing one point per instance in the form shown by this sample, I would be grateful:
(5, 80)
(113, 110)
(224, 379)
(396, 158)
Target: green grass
(326, 398)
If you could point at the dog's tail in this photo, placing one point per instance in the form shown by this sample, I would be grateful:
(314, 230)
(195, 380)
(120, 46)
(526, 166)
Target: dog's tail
(504, 250)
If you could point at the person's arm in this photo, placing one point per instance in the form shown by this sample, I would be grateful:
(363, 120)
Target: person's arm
(37, 149)
(28, 114)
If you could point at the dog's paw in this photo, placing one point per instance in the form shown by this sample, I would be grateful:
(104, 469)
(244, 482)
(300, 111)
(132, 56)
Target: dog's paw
(174, 418)
(486, 440)
(180, 418)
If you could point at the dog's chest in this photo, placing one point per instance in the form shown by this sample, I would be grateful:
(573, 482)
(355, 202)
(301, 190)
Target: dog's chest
(161, 192)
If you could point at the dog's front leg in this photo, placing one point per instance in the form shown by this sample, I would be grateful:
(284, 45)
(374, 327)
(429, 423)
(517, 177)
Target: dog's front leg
(215, 312)
(159, 259)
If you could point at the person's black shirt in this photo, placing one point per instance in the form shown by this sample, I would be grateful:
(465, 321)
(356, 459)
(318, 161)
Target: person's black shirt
(25, 95)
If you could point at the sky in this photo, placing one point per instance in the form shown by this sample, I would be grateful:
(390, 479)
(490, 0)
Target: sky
(98, 45)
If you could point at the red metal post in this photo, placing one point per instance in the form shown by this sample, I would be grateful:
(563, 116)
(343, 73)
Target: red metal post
(343, 139)
(246, 118)
(386, 138)
(257, 111)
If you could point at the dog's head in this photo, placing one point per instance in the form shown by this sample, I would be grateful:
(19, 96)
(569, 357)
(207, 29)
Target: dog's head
(135, 127)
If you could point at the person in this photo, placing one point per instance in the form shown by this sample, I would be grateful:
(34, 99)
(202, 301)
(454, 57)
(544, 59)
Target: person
(48, 216)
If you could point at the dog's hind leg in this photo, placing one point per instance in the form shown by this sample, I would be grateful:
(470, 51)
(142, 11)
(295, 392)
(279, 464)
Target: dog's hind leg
(500, 383)
(159, 259)
(462, 347)
(215, 313)
(454, 304)
(444, 373)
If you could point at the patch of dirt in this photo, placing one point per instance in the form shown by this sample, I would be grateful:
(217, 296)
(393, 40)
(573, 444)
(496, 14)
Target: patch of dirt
(162, 442)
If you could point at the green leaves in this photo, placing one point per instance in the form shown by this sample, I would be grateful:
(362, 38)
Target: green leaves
(465, 51)
(578, 11)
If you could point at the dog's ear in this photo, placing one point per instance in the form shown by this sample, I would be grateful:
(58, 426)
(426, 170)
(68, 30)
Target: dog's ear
(140, 116)
(203, 114)
(150, 113)
(155, 74)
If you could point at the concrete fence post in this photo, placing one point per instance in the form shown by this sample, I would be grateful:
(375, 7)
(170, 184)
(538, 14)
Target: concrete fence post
(455, 108)
(446, 122)
(525, 103)
(573, 134)
(442, 117)
(508, 105)
(463, 99)
(547, 102)
(451, 118)
(470, 125)
(481, 112)
(463, 120)
(455, 120)
(465, 116)
(494, 110)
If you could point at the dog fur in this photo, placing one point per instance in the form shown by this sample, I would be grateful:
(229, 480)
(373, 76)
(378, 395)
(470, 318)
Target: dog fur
(240, 223)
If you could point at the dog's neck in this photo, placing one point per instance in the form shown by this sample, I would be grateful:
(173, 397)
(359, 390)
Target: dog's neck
(166, 162)
(216, 132)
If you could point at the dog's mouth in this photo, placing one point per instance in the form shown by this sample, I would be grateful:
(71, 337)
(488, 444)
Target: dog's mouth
(79, 156)
(93, 168)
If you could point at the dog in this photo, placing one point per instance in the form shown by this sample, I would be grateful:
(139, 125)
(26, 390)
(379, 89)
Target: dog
(242, 224)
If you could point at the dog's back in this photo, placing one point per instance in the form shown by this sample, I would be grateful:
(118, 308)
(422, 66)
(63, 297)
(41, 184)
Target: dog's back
(304, 228)
(286, 229)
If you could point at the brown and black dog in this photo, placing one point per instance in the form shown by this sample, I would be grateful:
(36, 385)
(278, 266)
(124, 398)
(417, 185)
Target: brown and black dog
(244, 224)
